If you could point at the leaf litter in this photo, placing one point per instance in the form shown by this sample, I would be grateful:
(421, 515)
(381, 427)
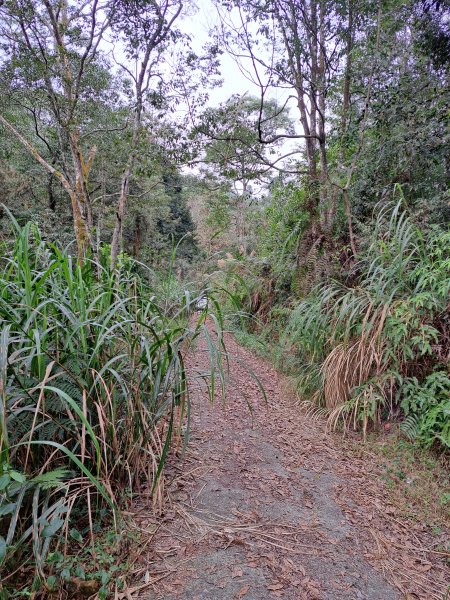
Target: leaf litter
(271, 505)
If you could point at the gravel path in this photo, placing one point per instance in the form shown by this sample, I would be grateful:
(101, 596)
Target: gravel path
(268, 505)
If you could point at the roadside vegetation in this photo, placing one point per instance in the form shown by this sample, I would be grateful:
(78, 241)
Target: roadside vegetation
(94, 391)
(314, 201)
(373, 346)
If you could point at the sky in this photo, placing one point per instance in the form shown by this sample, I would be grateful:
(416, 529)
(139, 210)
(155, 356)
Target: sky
(198, 26)
(235, 82)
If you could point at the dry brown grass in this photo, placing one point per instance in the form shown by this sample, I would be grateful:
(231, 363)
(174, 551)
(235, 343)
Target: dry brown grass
(352, 364)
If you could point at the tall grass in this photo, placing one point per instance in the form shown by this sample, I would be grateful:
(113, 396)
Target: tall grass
(93, 387)
(361, 345)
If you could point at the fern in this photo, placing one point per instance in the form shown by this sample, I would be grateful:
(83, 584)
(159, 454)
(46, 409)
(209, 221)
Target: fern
(52, 479)
(411, 427)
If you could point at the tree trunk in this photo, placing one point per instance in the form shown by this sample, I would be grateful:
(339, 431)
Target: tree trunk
(137, 238)
(82, 212)
(79, 223)
(51, 194)
(120, 212)
(125, 182)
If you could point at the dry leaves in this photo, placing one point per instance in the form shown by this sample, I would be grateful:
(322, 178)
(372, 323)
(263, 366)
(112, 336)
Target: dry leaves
(237, 572)
(242, 592)
(264, 459)
(275, 586)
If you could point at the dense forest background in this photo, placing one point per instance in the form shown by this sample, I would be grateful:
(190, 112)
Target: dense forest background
(312, 211)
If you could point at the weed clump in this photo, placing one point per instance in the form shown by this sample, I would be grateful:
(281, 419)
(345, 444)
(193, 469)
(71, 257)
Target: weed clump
(93, 388)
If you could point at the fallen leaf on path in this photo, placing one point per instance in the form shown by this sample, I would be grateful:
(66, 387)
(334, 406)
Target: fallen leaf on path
(242, 592)
(424, 568)
(237, 572)
(275, 586)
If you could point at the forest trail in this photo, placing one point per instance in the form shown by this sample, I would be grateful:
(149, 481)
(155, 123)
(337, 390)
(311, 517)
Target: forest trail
(269, 505)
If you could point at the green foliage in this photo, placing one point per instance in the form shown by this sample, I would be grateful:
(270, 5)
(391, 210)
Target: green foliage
(219, 211)
(179, 227)
(406, 143)
(260, 283)
(95, 567)
(353, 346)
(366, 339)
(94, 388)
(285, 219)
(236, 135)
(427, 409)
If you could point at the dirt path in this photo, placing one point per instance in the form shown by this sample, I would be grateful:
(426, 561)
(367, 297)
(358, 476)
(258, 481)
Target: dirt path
(270, 506)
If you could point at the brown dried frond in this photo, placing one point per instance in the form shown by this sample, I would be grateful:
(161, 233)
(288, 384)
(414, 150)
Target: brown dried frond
(350, 365)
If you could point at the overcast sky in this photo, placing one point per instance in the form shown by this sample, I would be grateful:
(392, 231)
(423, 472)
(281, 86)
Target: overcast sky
(198, 26)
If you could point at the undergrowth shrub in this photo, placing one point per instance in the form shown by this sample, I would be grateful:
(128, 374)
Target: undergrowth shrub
(285, 219)
(259, 286)
(359, 346)
(427, 409)
(93, 390)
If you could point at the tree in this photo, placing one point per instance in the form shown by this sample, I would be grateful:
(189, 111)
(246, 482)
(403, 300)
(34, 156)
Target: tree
(52, 49)
(433, 27)
(210, 203)
(300, 47)
(55, 67)
(147, 27)
(231, 141)
(179, 228)
(406, 144)
(232, 153)
(295, 49)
